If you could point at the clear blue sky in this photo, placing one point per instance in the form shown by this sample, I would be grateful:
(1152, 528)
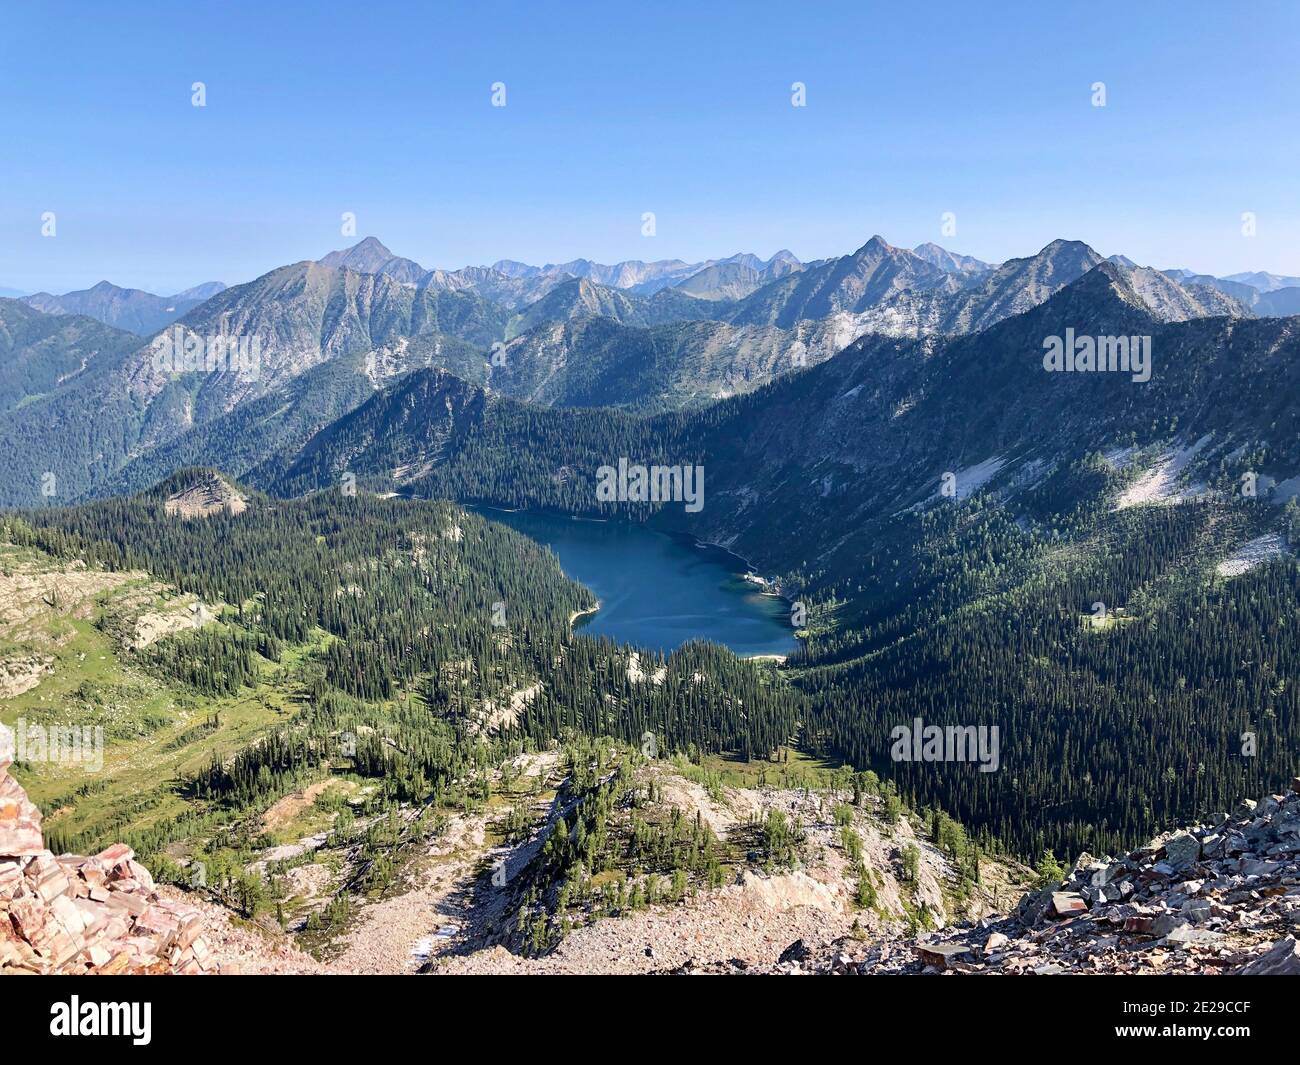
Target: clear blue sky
(615, 109)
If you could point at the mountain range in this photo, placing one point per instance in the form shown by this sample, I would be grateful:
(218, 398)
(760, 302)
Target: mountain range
(102, 416)
(950, 510)
(1267, 295)
(915, 490)
(1098, 563)
(516, 284)
(125, 308)
(891, 415)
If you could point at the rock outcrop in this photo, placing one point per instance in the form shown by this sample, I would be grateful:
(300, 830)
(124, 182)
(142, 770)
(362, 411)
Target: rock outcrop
(209, 494)
(69, 914)
(1223, 897)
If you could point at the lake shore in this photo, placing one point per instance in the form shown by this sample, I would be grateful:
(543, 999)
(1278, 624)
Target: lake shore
(656, 591)
(750, 575)
(581, 614)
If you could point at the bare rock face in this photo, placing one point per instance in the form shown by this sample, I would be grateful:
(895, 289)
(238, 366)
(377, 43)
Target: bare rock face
(1282, 960)
(70, 914)
(20, 823)
(208, 495)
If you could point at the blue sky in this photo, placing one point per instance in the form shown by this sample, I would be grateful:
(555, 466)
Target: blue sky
(682, 109)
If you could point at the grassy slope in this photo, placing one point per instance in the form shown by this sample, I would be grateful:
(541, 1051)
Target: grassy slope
(151, 738)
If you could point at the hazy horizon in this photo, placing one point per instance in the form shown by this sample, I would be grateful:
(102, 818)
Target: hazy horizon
(546, 262)
(609, 114)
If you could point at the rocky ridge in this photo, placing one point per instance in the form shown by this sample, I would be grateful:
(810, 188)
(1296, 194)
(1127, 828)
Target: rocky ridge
(1222, 897)
(1219, 898)
(69, 914)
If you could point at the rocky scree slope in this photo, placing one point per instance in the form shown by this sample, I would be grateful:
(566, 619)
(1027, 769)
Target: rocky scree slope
(69, 914)
(1219, 898)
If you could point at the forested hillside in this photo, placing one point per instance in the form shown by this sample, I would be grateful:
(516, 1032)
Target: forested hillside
(417, 624)
(952, 513)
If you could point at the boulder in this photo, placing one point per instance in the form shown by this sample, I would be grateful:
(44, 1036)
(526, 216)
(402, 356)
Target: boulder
(1033, 907)
(994, 943)
(112, 856)
(1167, 923)
(1282, 959)
(1107, 873)
(798, 951)
(1067, 904)
(940, 954)
(1187, 936)
(76, 915)
(20, 821)
(1182, 850)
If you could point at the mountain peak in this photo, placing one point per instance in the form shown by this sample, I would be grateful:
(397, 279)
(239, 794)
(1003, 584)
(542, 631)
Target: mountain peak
(1113, 271)
(202, 292)
(370, 256)
(1061, 245)
(877, 244)
(514, 268)
(371, 246)
(950, 261)
(131, 309)
(1102, 295)
(1060, 262)
(369, 252)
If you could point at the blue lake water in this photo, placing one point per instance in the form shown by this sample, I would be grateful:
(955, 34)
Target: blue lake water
(659, 591)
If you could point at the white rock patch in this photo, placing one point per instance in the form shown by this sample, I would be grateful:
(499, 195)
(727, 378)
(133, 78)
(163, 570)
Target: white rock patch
(1160, 484)
(972, 478)
(1251, 554)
